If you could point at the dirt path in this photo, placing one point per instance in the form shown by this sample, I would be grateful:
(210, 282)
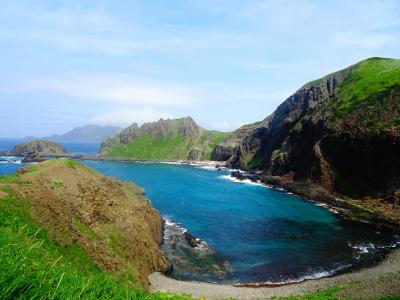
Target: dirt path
(374, 283)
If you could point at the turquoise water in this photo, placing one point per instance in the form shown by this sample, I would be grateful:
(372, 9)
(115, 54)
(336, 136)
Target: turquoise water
(267, 235)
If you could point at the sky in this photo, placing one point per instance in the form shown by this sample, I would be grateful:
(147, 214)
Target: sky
(223, 62)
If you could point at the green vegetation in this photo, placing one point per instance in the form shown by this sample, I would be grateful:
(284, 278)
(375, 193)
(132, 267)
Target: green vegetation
(214, 138)
(145, 147)
(72, 163)
(9, 178)
(85, 230)
(33, 266)
(174, 147)
(368, 81)
(57, 182)
(114, 239)
(254, 162)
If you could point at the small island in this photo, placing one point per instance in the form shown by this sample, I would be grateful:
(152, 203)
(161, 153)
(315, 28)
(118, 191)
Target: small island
(38, 150)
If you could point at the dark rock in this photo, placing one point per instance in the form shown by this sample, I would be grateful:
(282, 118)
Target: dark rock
(191, 257)
(38, 149)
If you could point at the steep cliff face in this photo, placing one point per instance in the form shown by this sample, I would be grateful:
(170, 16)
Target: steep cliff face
(177, 139)
(111, 220)
(340, 132)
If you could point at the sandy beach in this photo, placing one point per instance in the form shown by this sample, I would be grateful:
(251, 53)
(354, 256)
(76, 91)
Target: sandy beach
(375, 281)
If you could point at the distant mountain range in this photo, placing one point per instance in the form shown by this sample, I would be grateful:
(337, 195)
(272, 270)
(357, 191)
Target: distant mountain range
(89, 133)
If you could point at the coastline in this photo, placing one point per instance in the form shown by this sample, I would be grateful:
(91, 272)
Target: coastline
(178, 285)
(390, 266)
(305, 190)
(313, 193)
(209, 163)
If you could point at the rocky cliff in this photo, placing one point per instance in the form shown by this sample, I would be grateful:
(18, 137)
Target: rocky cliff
(176, 139)
(38, 149)
(340, 133)
(111, 220)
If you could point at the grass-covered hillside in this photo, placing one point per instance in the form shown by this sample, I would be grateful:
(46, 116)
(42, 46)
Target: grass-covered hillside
(179, 139)
(67, 232)
(340, 133)
(369, 81)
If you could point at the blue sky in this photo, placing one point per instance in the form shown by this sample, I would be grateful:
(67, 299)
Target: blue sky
(223, 62)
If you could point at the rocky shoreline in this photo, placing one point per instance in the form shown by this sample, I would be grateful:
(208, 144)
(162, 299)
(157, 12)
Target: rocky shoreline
(191, 257)
(371, 282)
(305, 190)
(313, 193)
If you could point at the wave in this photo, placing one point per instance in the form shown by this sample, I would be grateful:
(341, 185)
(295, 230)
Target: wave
(172, 229)
(368, 247)
(312, 275)
(244, 181)
(10, 160)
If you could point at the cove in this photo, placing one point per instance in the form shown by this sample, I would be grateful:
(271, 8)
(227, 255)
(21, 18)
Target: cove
(267, 235)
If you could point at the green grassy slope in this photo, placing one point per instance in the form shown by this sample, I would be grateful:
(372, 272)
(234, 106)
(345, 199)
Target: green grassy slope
(174, 147)
(33, 266)
(368, 81)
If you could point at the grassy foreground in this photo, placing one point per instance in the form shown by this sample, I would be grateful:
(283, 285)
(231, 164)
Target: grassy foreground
(34, 266)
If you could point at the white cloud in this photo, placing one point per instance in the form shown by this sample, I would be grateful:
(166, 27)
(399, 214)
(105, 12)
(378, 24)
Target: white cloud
(126, 116)
(355, 38)
(116, 89)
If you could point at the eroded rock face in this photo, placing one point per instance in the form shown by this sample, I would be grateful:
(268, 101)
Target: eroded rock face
(112, 221)
(38, 148)
(304, 140)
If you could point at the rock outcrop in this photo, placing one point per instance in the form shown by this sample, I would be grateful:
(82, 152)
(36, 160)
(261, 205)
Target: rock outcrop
(341, 133)
(176, 139)
(38, 149)
(112, 221)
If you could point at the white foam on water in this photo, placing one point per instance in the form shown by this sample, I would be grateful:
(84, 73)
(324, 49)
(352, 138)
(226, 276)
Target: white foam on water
(208, 168)
(11, 160)
(166, 162)
(363, 248)
(245, 181)
(312, 276)
(178, 226)
(169, 223)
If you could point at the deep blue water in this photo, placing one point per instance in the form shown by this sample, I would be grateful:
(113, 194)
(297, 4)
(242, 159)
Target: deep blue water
(266, 234)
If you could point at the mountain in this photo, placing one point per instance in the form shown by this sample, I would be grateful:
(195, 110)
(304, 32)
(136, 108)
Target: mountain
(340, 134)
(176, 139)
(88, 133)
